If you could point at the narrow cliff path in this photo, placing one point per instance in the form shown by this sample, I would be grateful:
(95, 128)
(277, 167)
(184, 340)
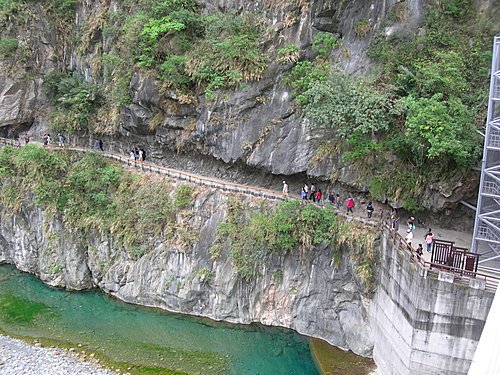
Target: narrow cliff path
(461, 239)
(195, 178)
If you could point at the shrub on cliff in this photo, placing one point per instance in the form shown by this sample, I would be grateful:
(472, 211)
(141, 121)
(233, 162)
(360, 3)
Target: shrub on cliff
(75, 101)
(252, 234)
(94, 195)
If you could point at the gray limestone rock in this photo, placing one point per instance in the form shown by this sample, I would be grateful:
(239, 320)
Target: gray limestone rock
(311, 296)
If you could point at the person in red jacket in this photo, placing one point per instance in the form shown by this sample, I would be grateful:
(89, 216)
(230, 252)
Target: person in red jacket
(349, 204)
(318, 196)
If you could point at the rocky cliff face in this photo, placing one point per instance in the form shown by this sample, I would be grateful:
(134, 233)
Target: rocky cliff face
(303, 292)
(256, 128)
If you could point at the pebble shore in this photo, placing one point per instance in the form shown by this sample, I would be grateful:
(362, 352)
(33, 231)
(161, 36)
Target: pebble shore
(18, 357)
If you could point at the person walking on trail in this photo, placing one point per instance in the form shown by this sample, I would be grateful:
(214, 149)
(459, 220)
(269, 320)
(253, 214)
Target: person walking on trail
(26, 139)
(338, 201)
(350, 204)
(411, 223)
(331, 197)
(369, 210)
(313, 193)
(61, 138)
(318, 196)
(132, 155)
(143, 154)
(429, 238)
(46, 139)
(305, 191)
(392, 218)
(285, 189)
(409, 236)
(303, 194)
(419, 250)
(98, 144)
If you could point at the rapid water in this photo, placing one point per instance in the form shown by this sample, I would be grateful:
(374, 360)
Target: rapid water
(146, 340)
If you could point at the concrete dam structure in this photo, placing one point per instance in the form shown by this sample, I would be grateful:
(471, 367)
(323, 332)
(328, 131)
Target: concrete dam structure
(425, 322)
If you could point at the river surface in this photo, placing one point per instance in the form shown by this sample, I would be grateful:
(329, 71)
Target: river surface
(146, 340)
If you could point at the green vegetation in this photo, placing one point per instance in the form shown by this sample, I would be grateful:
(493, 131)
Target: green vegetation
(8, 47)
(187, 49)
(19, 10)
(421, 111)
(168, 40)
(253, 234)
(205, 275)
(324, 44)
(289, 53)
(94, 195)
(75, 101)
(451, 140)
(229, 54)
(362, 27)
(16, 310)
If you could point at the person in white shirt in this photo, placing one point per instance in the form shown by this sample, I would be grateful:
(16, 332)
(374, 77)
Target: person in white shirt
(409, 236)
(285, 189)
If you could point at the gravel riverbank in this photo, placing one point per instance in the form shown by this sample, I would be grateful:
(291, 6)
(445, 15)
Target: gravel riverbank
(18, 357)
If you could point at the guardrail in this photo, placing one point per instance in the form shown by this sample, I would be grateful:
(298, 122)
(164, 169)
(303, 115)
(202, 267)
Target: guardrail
(490, 281)
(199, 180)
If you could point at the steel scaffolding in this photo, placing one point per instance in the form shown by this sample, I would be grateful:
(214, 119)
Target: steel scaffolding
(486, 239)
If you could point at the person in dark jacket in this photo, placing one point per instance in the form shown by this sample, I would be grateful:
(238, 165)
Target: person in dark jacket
(369, 210)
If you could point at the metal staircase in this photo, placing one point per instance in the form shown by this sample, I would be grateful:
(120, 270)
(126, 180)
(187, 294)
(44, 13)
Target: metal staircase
(486, 238)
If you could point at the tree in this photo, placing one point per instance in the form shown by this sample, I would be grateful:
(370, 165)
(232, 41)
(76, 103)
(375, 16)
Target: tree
(443, 130)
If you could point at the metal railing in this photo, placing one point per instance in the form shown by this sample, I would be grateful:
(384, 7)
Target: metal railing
(490, 281)
(200, 180)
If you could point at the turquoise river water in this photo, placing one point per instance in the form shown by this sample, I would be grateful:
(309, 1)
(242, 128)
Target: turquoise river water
(146, 340)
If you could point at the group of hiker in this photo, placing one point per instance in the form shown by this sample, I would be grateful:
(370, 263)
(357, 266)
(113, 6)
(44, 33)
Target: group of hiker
(310, 192)
(428, 237)
(313, 193)
(137, 154)
(46, 139)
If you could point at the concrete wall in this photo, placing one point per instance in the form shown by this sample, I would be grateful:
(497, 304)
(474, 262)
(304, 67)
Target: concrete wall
(486, 359)
(423, 325)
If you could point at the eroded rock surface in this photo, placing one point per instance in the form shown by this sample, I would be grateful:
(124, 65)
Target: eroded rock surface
(304, 292)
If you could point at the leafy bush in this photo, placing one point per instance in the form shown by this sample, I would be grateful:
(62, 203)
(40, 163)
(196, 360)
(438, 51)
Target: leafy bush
(442, 130)
(324, 44)
(64, 7)
(362, 27)
(442, 74)
(75, 101)
(456, 9)
(183, 196)
(289, 53)
(229, 55)
(172, 72)
(94, 195)
(291, 226)
(8, 47)
(304, 75)
(347, 107)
